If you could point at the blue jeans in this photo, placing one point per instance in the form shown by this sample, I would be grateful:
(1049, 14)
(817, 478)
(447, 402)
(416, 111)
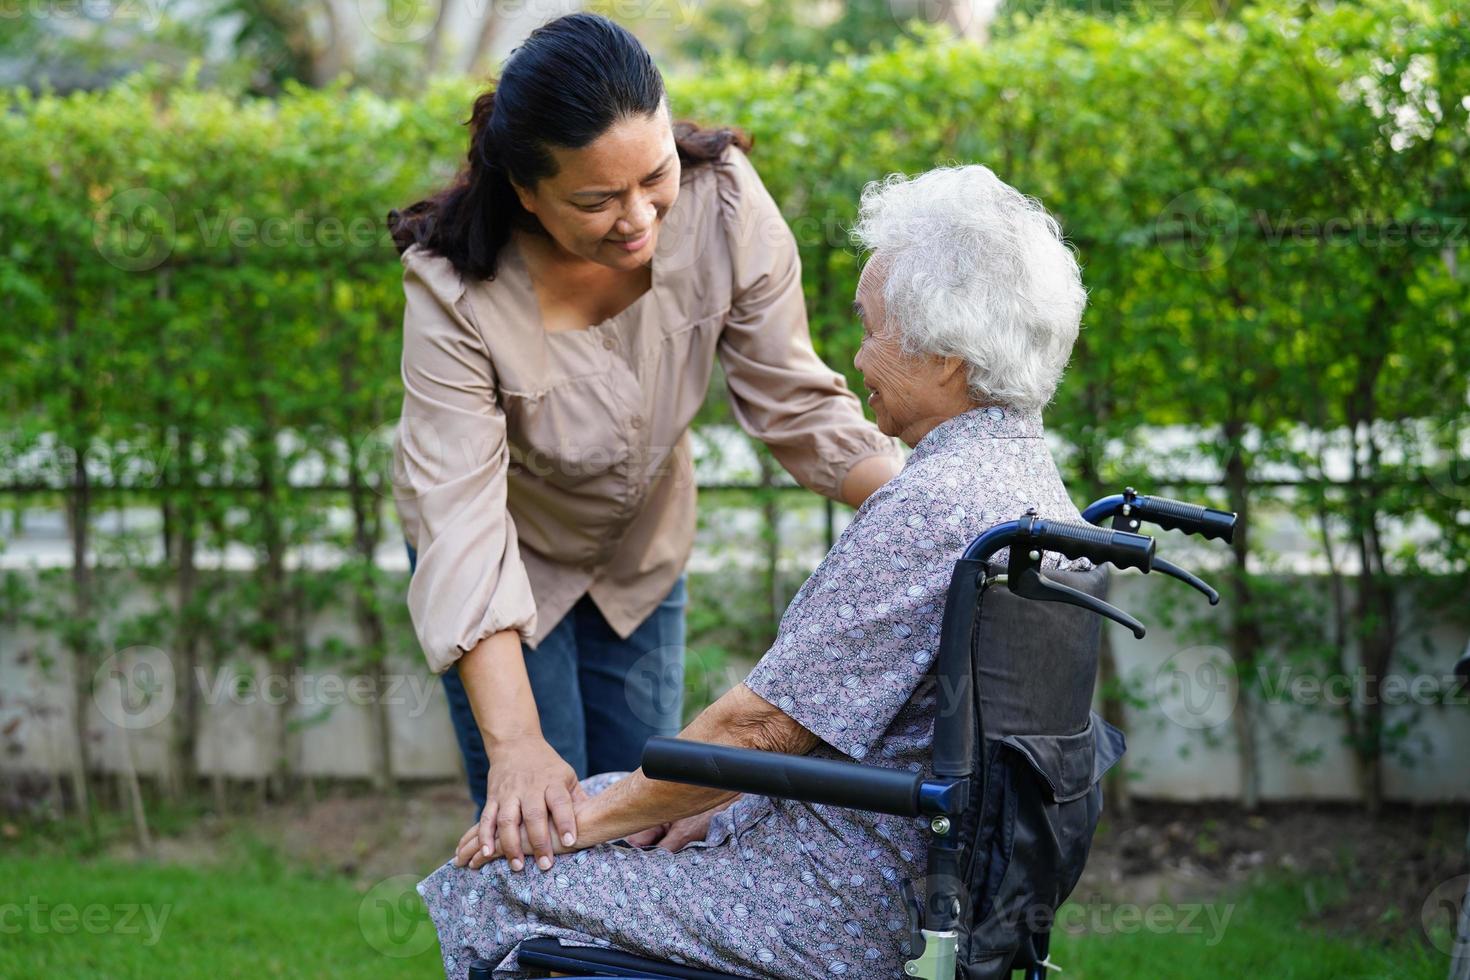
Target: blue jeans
(600, 697)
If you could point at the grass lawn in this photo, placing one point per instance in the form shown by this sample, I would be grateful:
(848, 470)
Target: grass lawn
(161, 920)
(63, 917)
(1256, 933)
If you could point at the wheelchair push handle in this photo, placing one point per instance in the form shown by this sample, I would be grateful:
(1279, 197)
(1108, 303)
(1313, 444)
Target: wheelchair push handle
(1097, 544)
(1131, 509)
(1172, 515)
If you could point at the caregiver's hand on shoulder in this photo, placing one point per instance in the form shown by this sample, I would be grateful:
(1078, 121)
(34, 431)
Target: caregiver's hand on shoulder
(529, 794)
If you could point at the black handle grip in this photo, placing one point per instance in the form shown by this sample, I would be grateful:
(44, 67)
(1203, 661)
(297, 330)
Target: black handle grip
(1097, 544)
(1176, 515)
(789, 777)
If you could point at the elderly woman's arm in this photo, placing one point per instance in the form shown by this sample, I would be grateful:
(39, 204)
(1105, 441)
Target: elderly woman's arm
(740, 718)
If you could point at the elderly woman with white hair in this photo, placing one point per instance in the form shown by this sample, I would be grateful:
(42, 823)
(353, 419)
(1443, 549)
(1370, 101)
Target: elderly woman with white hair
(970, 303)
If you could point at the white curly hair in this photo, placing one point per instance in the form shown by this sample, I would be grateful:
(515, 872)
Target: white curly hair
(975, 269)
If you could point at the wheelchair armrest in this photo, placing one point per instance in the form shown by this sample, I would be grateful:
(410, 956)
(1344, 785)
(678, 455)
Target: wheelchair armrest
(790, 777)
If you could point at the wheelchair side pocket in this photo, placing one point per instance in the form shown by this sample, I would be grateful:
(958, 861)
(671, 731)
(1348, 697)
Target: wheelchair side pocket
(1043, 801)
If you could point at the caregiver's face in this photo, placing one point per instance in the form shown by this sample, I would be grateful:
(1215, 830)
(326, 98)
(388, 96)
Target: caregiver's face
(608, 199)
(909, 393)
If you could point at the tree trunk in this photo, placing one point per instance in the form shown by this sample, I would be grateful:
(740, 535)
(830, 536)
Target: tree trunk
(1245, 631)
(78, 511)
(79, 514)
(1374, 610)
(185, 722)
(1109, 677)
(478, 61)
(273, 599)
(366, 532)
(129, 775)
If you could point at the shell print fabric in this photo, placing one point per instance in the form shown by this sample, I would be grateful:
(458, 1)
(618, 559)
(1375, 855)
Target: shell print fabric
(780, 889)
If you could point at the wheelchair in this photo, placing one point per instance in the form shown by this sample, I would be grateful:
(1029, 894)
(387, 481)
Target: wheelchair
(1017, 757)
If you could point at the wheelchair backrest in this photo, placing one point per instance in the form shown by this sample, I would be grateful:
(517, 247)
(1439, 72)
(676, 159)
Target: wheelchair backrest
(1036, 662)
(1039, 761)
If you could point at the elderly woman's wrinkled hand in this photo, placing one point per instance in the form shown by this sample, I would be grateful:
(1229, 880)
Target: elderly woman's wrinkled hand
(673, 836)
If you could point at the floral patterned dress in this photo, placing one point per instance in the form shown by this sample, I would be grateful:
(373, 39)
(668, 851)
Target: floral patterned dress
(780, 889)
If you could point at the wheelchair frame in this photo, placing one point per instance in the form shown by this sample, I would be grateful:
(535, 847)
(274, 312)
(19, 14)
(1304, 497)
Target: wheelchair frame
(935, 924)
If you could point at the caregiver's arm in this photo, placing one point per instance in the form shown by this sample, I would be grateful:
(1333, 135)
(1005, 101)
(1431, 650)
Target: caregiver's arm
(740, 718)
(528, 780)
(867, 475)
(780, 391)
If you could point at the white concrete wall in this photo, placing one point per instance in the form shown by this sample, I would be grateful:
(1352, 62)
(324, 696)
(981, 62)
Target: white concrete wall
(1177, 750)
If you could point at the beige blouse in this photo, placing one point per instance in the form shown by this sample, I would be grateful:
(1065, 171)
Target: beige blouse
(532, 467)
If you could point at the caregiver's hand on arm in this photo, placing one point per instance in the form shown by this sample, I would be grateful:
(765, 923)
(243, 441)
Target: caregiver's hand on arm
(531, 790)
(740, 718)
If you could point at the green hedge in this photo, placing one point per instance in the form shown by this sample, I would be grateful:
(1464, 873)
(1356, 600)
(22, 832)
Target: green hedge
(1271, 216)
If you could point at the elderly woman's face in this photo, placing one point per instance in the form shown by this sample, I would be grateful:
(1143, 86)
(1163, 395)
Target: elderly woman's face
(910, 393)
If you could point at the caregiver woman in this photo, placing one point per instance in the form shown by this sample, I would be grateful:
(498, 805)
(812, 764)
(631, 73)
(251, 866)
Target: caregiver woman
(566, 300)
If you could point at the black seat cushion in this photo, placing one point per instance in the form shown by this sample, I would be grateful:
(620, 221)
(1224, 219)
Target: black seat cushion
(550, 954)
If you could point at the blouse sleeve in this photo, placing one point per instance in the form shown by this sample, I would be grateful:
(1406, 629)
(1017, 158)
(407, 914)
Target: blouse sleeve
(862, 632)
(450, 459)
(781, 392)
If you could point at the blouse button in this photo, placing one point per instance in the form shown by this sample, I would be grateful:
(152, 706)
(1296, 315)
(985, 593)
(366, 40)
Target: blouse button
(609, 343)
(637, 421)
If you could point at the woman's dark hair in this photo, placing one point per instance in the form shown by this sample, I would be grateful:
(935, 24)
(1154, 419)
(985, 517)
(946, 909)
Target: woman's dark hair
(570, 81)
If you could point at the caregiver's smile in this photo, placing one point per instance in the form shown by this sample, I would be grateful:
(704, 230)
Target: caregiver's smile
(607, 200)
